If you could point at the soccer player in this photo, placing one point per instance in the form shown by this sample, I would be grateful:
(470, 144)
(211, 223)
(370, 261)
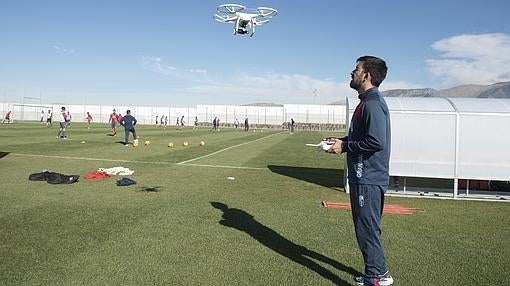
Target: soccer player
(49, 118)
(68, 119)
(129, 122)
(88, 118)
(113, 122)
(63, 124)
(7, 117)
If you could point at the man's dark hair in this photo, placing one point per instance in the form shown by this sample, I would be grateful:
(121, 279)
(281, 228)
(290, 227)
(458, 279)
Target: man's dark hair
(376, 67)
(128, 111)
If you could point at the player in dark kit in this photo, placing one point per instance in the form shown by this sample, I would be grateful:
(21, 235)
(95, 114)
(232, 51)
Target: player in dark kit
(129, 122)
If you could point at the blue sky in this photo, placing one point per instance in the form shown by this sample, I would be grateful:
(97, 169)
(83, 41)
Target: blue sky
(172, 53)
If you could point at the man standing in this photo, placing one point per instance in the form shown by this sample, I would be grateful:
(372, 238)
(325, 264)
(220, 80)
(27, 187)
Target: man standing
(113, 121)
(63, 124)
(368, 152)
(49, 118)
(129, 122)
(246, 125)
(68, 119)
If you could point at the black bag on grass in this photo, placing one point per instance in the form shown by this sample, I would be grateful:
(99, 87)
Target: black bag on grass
(53, 178)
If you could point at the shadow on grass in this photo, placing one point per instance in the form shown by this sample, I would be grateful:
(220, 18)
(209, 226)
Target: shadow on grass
(150, 189)
(243, 221)
(330, 178)
(3, 154)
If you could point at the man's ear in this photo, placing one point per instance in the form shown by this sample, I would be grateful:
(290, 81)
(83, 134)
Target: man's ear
(367, 76)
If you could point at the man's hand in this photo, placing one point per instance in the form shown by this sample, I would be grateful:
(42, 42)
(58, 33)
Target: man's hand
(335, 148)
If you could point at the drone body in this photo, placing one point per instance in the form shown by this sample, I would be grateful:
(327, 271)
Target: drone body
(244, 19)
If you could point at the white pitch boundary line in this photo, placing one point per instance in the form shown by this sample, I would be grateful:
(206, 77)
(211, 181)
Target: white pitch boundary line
(136, 162)
(225, 167)
(225, 149)
(91, 159)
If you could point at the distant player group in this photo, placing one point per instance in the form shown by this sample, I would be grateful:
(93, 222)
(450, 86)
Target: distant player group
(115, 119)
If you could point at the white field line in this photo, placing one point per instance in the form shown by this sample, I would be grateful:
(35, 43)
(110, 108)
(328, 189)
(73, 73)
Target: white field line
(136, 162)
(225, 149)
(226, 167)
(90, 159)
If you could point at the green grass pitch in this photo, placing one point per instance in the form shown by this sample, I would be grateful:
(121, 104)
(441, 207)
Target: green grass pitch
(186, 222)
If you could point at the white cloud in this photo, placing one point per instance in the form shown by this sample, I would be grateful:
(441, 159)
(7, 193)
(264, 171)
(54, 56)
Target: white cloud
(265, 87)
(62, 50)
(155, 64)
(472, 59)
(281, 88)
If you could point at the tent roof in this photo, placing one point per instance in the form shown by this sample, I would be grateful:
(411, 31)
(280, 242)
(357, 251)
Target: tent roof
(419, 104)
(442, 104)
(482, 105)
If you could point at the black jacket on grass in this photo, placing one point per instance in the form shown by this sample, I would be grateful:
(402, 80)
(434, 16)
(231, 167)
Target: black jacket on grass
(53, 178)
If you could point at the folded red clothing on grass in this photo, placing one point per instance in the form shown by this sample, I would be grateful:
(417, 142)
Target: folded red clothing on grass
(96, 175)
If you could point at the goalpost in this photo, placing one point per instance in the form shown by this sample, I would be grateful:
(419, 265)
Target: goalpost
(29, 112)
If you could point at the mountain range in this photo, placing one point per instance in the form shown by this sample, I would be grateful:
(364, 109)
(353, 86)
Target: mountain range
(497, 90)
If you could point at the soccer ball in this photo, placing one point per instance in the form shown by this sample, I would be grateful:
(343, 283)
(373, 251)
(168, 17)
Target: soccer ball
(170, 144)
(135, 143)
(147, 143)
(202, 143)
(185, 143)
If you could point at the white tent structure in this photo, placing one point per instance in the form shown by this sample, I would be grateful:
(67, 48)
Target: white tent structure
(448, 138)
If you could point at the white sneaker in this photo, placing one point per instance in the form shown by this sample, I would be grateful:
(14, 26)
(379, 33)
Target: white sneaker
(386, 280)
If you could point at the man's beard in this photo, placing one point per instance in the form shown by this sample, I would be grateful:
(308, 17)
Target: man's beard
(355, 84)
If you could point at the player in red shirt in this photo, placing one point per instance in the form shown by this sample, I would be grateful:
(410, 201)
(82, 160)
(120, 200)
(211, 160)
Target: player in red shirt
(113, 121)
(7, 117)
(88, 118)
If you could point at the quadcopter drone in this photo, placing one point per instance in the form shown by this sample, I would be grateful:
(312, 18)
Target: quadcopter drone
(244, 19)
(325, 144)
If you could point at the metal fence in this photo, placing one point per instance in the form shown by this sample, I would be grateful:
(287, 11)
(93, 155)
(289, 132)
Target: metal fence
(310, 117)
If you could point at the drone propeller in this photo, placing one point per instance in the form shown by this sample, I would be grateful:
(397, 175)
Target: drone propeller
(267, 12)
(230, 8)
(225, 19)
(260, 21)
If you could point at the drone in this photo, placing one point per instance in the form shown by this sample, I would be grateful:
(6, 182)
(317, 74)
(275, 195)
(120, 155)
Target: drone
(325, 144)
(244, 19)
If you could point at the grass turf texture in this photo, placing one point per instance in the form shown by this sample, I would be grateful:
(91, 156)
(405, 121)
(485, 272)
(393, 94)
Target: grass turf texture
(187, 224)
